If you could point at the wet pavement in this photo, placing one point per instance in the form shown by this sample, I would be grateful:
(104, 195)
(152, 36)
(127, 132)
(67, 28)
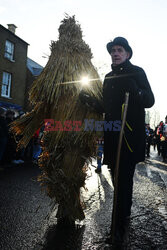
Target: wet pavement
(27, 221)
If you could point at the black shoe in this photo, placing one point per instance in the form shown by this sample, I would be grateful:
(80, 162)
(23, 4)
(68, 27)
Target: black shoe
(121, 235)
(115, 245)
(65, 223)
(98, 170)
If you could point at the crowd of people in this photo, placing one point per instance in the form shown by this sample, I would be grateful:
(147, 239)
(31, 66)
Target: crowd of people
(9, 155)
(158, 139)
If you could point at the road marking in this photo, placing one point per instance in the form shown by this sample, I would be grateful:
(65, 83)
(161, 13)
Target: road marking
(162, 173)
(159, 162)
(149, 171)
(164, 178)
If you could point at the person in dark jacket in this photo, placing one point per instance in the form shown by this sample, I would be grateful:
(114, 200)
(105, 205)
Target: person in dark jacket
(3, 134)
(125, 77)
(149, 138)
(10, 151)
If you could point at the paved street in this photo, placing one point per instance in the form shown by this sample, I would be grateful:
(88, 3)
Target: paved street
(27, 222)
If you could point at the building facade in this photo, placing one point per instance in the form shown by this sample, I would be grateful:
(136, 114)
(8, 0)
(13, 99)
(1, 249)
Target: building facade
(13, 68)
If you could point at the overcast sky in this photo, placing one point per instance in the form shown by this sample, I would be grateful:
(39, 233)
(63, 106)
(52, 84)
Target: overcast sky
(142, 22)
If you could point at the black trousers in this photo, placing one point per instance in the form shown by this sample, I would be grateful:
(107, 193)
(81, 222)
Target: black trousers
(164, 149)
(148, 144)
(125, 189)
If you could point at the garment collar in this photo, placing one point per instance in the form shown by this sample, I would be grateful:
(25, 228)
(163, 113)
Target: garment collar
(121, 67)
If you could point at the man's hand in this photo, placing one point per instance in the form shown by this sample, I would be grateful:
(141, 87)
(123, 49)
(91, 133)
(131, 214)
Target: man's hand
(85, 98)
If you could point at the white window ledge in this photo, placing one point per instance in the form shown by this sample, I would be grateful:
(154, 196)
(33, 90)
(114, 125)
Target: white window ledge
(6, 97)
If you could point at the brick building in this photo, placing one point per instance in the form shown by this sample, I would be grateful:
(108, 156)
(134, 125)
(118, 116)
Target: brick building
(13, 68)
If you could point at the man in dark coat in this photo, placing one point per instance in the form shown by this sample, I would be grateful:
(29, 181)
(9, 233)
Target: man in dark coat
(125, 77)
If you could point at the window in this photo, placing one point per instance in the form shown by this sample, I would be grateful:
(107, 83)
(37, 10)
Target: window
(6, 84)
(9, 50)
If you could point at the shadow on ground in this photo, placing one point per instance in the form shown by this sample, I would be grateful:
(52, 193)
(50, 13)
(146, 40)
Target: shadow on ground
(63, 238)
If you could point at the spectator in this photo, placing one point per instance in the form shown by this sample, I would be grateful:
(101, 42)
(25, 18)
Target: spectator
(164, 141)
(3, 134)
(100, 144)
(36, 146)
(149, 139)
(11, 156)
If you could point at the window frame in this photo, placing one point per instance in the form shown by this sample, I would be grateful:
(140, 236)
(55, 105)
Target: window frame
(6, 81)
(9, 50)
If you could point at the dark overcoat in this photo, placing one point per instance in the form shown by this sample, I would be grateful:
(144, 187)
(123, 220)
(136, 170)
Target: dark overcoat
(123, 78)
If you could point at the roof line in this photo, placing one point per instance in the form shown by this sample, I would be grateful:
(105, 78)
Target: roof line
(13, 34)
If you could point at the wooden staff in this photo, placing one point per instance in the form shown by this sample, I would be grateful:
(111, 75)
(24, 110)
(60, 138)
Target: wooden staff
(116, 172)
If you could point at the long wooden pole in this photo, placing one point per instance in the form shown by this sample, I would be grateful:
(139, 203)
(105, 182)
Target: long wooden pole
(116, 172)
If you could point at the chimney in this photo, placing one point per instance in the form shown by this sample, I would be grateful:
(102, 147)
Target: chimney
(12, 27)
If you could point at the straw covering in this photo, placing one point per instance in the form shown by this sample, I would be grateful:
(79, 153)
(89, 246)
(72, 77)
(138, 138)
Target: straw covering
(55, 95)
